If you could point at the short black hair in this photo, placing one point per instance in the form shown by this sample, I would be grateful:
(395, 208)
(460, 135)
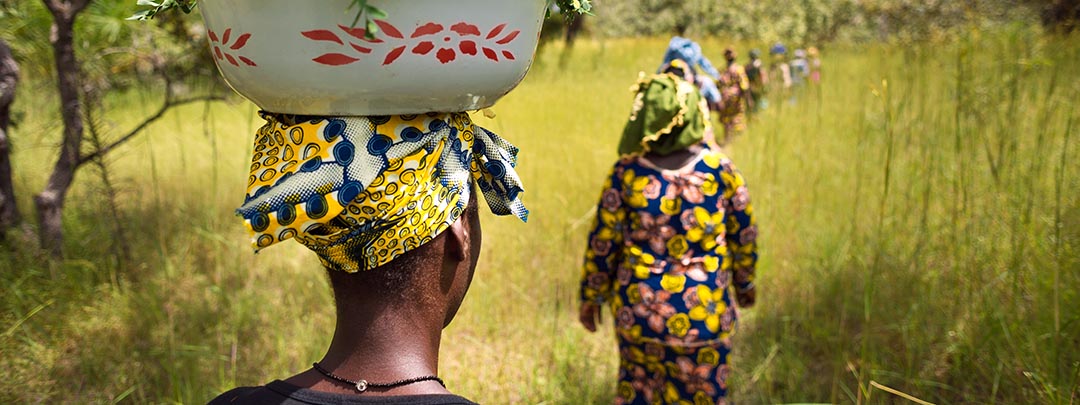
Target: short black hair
(398, 277)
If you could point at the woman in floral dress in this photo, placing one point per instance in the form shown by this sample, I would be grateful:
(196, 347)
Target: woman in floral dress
(674, 239)
(734, 88)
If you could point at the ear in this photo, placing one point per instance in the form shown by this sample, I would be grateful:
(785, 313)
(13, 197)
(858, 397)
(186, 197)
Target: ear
(458, 241)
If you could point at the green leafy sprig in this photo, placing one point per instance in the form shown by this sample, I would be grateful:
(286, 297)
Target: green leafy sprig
(370, 13)
(569, 9)
(155, 8)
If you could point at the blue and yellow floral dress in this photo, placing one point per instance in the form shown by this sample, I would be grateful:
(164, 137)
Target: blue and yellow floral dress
(667, 247)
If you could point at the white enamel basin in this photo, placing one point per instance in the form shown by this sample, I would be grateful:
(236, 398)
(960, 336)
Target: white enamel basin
(305, 57)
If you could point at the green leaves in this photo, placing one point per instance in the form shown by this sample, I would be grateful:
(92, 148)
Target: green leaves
(366, 11)
(143, 15)
(570, 9)
(370, 13)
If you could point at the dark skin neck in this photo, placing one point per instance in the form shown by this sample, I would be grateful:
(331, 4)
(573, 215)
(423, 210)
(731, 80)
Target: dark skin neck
(675, 160)
(400, 341)
(385, 335)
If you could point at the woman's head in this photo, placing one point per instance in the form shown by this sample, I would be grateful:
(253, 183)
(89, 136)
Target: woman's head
(388, 203)
(680, 68)
(362, 191)
(668, 115)
(778, 49)
(430, 280)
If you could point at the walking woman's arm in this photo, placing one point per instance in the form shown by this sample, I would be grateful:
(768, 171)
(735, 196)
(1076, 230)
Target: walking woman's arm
(604, 251)
(741, 235)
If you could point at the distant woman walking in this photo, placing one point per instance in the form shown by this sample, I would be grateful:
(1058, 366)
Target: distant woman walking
(686, 54)
(674, 237)
(734, 89)
(759, 80)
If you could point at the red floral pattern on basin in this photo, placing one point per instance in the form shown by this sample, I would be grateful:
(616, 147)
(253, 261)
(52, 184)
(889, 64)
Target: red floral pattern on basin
(230, 53)
(445, 42)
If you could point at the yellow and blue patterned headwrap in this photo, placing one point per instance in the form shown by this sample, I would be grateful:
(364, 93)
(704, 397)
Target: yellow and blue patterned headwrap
(361, 191)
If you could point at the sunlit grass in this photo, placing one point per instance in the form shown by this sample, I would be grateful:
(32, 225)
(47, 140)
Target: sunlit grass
(955, 283)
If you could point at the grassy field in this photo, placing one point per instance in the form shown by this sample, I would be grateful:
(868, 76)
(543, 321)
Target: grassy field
(919, 217)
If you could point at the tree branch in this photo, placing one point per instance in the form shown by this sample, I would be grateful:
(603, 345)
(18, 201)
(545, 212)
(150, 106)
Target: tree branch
(67, 10)
(54, 6)
(9, 75)
(78, 5)
(149, 120)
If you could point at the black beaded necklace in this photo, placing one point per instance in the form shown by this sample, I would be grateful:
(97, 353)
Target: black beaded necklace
(363, 385)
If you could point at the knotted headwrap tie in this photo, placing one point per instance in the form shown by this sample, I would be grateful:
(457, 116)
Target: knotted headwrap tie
(361, 191)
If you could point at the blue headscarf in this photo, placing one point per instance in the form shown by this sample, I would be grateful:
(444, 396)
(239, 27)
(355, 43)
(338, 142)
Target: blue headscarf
(690, 52)
(778, 49)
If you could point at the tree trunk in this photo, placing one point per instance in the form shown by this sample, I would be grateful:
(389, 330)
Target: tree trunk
(573, 29)
(1063, 15)
(9, 79)
(50, 202)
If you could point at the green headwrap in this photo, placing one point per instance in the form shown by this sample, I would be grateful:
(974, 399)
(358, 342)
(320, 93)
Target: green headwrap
(668, 115)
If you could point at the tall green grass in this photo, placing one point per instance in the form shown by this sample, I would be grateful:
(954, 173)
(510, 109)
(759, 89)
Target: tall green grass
(916, 229)
(920, 228)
